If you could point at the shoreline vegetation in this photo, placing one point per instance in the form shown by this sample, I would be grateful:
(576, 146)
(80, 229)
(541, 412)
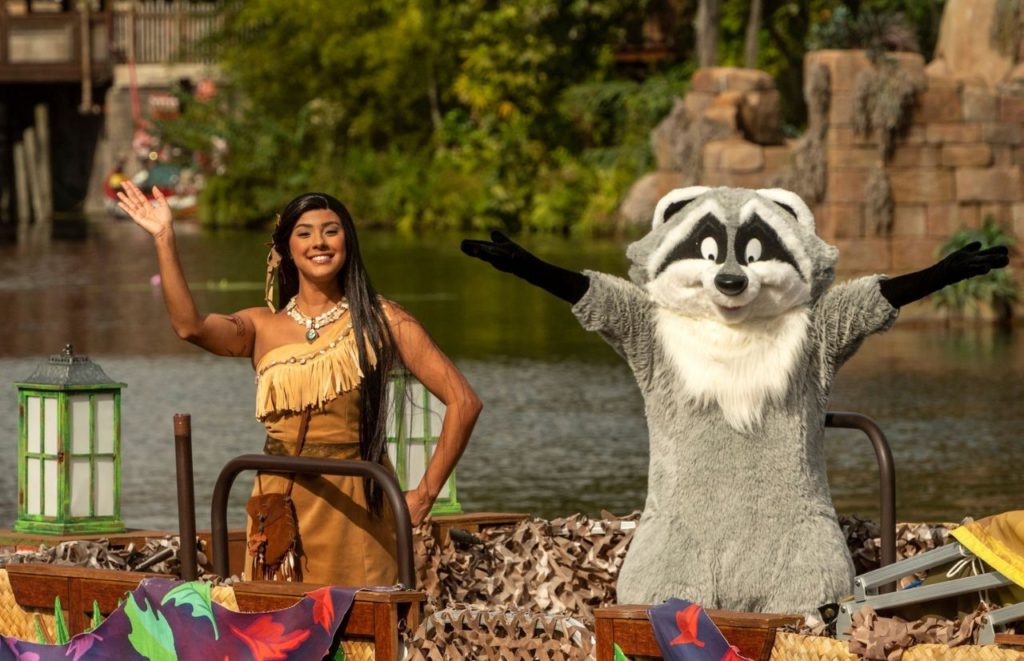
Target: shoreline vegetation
(532, 116)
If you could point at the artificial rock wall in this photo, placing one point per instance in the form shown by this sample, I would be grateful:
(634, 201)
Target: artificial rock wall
(957, 158)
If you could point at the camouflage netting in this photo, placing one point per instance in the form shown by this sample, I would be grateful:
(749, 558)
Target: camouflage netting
(520, 592)
(863, 539)
(517, 590)
(500, 632)
(885, 638)
(565, 565)
(158, 555)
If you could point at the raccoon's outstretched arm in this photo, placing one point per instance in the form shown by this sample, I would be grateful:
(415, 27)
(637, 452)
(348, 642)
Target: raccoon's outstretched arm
(965, 263)
(506, 255)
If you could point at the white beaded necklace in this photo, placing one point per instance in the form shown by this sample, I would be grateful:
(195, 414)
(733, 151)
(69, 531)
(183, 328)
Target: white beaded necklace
(313, 324)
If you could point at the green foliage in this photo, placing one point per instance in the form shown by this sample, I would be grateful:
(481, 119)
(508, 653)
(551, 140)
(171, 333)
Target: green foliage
(997, 288)
(470, 115)
(97, 617)
(423, 114)
(197, 595)
(150, 636)
(61, 634)
(879, 26)
(41, 636)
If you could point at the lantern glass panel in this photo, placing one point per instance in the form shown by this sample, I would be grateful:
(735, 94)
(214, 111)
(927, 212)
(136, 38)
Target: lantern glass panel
(415, 462)
(34, 430)
(414, 405)
(50, 425)
(81, 494)
(50, 481)
(80, 424)
(104, 486)
(393, 453)
(105, 423)
(34, 470)
(437, 410)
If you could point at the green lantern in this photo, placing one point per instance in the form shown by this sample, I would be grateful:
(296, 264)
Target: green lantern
(69, 449)
(412, 430)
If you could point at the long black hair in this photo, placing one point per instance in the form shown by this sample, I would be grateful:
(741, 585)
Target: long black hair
(368, 323)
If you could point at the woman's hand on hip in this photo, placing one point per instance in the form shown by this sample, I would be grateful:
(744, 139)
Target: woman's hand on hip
(419, 507)
(155, 217)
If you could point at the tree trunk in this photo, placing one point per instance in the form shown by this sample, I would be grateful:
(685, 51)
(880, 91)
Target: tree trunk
(753, 29)
(709, 14)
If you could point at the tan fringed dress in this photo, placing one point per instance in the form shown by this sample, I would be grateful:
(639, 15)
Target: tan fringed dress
(341, 542)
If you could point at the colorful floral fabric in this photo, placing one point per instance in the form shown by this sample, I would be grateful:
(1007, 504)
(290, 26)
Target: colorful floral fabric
(685, 633)
(164, 620)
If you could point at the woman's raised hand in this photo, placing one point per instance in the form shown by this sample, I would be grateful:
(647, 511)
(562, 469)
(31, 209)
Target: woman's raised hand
(155, 218)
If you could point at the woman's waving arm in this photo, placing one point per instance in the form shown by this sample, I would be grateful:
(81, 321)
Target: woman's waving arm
(434, 370)
(225, 335)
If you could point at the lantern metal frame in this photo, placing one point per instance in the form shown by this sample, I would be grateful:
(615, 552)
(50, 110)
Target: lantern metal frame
(60, 447)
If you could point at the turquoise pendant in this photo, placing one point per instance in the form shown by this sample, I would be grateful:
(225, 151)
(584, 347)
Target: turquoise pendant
(311, 334)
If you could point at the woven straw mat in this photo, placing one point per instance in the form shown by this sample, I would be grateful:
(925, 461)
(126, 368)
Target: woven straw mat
(795, 647)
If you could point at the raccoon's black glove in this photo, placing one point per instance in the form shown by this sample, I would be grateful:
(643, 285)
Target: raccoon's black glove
(506, 255)
(965, 263)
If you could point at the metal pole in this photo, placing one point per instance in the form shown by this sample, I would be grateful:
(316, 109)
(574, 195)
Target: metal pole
(886, 476)
(311, 466)
(186, 496)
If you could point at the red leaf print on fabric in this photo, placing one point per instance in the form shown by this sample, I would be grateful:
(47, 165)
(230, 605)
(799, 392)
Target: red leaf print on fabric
(323, 607)
(734, 655)
(686, 620)
(266, 640)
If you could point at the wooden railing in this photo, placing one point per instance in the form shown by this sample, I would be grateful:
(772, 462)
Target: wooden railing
(158, 32)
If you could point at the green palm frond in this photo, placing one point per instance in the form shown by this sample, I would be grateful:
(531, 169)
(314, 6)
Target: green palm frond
(997, 288)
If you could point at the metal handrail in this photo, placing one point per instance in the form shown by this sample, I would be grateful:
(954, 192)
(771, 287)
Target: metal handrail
(311, 466)
(886, 475)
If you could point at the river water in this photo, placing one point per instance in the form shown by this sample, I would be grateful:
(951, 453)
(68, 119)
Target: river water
(563, 427)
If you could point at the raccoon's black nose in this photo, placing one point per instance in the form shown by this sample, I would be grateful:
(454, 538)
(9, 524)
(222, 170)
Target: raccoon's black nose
(731, 285)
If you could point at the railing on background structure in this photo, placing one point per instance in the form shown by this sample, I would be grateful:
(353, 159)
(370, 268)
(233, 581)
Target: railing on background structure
(158, 32)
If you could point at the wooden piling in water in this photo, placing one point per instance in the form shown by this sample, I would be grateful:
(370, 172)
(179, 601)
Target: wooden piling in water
(21, 189)
(43, 165)
(28, 140)
(33, 176)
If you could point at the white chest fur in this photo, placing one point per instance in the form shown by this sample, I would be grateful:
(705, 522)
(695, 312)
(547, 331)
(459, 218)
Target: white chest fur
(740, 368)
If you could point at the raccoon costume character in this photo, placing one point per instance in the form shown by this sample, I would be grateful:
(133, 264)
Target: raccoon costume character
(734, 337)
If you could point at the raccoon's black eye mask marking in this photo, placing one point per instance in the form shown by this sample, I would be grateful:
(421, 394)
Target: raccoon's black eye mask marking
(708, 240)
(757, 241)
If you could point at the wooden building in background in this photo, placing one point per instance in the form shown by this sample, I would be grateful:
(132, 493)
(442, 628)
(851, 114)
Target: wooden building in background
(96, 66)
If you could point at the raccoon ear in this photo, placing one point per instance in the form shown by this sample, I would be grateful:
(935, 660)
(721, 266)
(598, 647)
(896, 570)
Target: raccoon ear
(791, 203)
(675, 200)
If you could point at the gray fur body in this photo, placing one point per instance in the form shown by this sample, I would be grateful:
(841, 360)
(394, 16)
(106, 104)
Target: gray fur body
(736, 518)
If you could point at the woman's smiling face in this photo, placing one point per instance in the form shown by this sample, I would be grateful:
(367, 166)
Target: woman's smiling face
(317, 245)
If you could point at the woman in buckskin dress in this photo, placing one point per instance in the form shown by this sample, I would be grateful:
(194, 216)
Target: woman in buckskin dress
(309, 360)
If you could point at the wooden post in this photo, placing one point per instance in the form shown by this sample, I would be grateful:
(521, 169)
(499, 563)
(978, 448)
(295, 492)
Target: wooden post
(85, 38)
(32, 168)
(21, 190)
(6, 178)
(44, 172)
